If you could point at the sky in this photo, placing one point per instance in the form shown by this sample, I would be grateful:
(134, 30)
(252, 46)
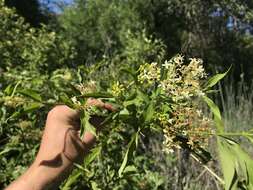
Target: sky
(53, 4)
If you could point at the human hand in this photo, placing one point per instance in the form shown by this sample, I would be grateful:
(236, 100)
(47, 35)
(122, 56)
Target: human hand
(60, 147)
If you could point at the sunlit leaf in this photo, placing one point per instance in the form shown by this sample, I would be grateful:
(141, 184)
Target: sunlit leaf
(31, 94)
(236, 164)
(129, 153)
(66, 100)
(96, 95)
(32, 107)
(94, 153)
(215, 79)
(216, 112)
(71, 180)
(149, 114)
(86, 126)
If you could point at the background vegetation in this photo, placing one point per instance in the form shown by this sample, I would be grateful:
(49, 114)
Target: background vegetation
(48, 51)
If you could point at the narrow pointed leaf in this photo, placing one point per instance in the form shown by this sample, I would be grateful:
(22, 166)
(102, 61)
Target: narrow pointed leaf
(130, 148)
(216, 112)
(215, 79)
(31, 94)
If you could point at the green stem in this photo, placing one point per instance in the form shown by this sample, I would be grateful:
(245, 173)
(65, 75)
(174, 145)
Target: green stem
(245, 134)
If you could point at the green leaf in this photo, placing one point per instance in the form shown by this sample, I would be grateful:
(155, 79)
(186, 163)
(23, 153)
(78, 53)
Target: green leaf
(129, 153)
(92, 155)
(130, 72)
(8, 90)
(6, 150)
(216, 112)
(94, 186)
(124, 112)
(129, 170)
(15, 88)
(25, 109)
(71, 180)
(66, 100)
(236, 164)
(250, 138)
(31, 94)
(14, 115)
(86, 126)
(96, 95)
(215, 79)
(149, 113)
(32, 107)
(228, 165)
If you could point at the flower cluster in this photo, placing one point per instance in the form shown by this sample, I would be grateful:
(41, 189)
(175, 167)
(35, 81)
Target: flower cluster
(13, 102)
(89, 87)
(117, 89)
(183, 85)
(183, 81)
(187, 123)
(149, 73)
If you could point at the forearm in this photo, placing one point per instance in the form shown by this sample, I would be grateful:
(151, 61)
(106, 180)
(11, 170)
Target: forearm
(32, 179)
(41, 177)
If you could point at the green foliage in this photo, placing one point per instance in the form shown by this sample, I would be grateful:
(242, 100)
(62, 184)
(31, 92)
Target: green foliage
(31, 11)
(115, 51)
(29, 47)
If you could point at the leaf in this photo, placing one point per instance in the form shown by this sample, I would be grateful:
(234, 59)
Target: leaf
(66, 100)
(14, 115)
(92, 155)
(96, 95)
(25, 109)
(138, 99)
(129, 170)
(149, 114)
(15, 88)
(228, 165)
(31, 94)
(130, 72)
(249, 138)
(216, 112)
(86, 126)
(71, 180)
(8, 90)
(124, 112)
(236, 164)
(215, 79)
(128, 154)
(94, 186)
(32, 107)
(6, 150)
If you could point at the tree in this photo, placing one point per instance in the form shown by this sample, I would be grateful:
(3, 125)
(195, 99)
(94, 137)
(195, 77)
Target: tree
(30, 10)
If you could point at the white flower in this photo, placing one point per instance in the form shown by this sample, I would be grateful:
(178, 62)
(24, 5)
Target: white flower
(167, 64)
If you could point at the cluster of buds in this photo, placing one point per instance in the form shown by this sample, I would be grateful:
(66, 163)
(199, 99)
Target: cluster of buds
(149, 73)
(12, 102)
(117, 89)
(89, 87)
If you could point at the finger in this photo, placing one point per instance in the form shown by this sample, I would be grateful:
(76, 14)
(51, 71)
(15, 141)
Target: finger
(88, 139)
(109, 107)
(100, 104)
(64, 115)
